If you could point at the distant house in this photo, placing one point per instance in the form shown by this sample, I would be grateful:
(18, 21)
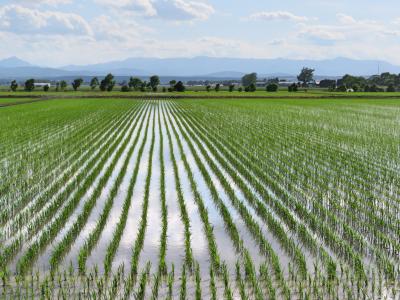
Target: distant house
(261, 84)
(286, 83)
(42, 84)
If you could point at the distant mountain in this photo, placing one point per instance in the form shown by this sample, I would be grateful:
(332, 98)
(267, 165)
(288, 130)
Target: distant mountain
(13, 62)
(34, 72)
(199, 67)
(219, 66)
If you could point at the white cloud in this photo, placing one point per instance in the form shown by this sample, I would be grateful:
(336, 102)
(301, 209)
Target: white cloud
(145, 7)
(46, 2)
(277, 15)
(23, 20)
(183, 10)
(175, 10)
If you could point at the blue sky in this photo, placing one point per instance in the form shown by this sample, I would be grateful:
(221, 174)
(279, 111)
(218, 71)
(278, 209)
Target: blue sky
(60, 32)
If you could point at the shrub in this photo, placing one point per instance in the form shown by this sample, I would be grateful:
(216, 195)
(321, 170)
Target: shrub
(272, 87)
(125, 88)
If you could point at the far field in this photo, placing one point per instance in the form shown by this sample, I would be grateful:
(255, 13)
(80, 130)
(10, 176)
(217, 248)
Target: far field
(200, 198)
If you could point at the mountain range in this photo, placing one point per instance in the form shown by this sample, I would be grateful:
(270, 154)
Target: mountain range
(198, 67)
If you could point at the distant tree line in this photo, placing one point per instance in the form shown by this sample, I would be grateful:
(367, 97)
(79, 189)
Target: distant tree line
(249, 83)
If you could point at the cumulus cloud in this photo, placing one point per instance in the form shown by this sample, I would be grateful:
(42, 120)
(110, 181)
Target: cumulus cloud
(277, 15)
(23, 20)
(145, 7)
(184, 10)
(175, 10)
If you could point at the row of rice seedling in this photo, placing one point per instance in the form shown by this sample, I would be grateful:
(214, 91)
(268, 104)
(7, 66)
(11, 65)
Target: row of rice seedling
(138, 244)
(237, 169)
(116, 237)
(304, 212)
(49, 233)
(231, 227)
(273, 225)
(33, 205)
(350, 240)
(86, 177)
(64, 245)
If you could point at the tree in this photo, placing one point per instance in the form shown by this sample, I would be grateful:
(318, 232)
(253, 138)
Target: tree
(272, 87)
(208, 87)
(390, 88)
(240, 89)
(94, 83)
(231, 87)
(107, 84)
(306, 76)
(46, 88)
(30, 85)
(327, 83)
(63, 85)
(251, 88)
(179, 87)
(341, 88)
(135, 83)
(293, 88)
(217, 87)
(249, 79)
(154, 82)
(14, 85)
(77, 83)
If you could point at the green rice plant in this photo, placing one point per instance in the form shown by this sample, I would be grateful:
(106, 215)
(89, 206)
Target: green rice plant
(183, 291)
(59, 250)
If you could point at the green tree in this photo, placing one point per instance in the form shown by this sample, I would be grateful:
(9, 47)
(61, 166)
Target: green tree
(208, 87)
(46, 88)
(14, 85)
(217, 87)
(390, 88)
(77, 83)
(306, 76)
(108, 83)
(63, 85)
(249, 79)
(154, 82)
(293, 88)
(94, 83)
(30, 85)
(231, 87)
(180, 87)
(135, 83)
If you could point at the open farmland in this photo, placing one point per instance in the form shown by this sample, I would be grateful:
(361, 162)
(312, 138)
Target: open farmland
(213, 199)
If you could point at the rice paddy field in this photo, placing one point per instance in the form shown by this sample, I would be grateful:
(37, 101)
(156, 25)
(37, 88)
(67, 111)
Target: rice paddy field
(200, 199)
